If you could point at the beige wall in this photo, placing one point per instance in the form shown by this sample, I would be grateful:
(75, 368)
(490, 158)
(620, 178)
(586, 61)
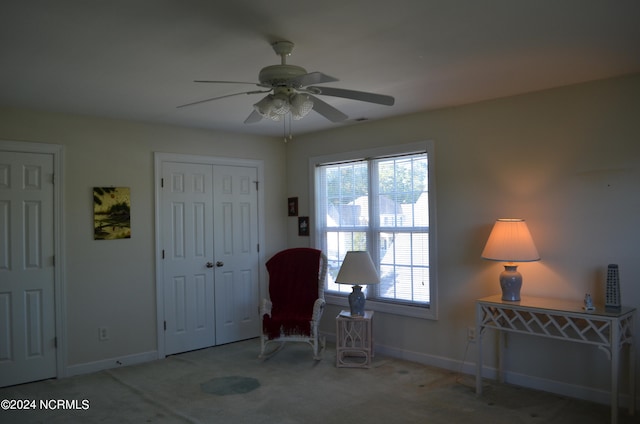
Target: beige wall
(112, 283)
(567, 160)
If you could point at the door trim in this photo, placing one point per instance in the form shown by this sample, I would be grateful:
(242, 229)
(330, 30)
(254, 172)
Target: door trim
(159, 158)
(59, 284)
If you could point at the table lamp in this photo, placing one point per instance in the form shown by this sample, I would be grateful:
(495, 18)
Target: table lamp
(510, 241)
(357, 269)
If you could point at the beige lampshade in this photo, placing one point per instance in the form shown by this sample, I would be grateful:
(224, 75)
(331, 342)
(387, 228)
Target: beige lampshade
(510, 241)
(357, 269)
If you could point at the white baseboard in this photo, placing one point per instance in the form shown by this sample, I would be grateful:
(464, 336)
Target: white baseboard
(522, 380)
(106, 364)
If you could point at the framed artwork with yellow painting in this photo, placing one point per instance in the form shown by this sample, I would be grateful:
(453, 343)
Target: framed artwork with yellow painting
(111, 213)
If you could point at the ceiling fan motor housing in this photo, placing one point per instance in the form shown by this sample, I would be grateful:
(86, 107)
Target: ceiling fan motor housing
(280, 75)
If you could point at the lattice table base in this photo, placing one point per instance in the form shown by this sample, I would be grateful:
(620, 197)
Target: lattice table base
(610, 331)
(354, 340)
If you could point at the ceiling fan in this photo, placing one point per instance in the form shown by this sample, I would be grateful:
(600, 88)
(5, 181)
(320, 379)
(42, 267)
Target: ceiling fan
(293, 91)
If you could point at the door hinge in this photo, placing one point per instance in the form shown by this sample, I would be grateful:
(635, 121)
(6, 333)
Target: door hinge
(165, 326)
(258, 247)
(55, 342)
(161, 182)
(53, 178)
(257, 182)
(162, 253)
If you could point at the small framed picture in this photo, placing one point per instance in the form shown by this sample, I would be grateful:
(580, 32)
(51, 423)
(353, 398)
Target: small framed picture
(111, 213)
(303, 226)
(292, 206)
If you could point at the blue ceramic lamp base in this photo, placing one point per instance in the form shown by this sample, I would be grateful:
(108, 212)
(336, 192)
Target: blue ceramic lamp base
(356, 301)
(511, 283)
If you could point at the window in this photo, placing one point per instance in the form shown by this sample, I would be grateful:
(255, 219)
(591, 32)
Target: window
(380, 204)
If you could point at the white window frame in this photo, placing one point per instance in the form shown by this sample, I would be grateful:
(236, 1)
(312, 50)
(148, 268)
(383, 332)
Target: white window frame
(404, 309)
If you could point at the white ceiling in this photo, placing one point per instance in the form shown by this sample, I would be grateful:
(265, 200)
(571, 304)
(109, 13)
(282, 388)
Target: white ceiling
(137, 59)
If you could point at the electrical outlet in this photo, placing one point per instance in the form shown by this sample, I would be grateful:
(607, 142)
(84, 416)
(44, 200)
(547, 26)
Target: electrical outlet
(103, 334)
(471, 334)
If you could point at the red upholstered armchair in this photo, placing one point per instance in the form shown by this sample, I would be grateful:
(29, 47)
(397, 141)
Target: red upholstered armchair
(296, 299)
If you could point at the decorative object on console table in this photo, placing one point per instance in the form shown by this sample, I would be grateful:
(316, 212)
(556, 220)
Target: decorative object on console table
(510, 241)
(357, 269)
(612, 299)
(588, 303)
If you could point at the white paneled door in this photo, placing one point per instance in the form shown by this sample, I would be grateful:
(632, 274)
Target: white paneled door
(27, 309)
(187, 228)
(208, 233)
(236, 253)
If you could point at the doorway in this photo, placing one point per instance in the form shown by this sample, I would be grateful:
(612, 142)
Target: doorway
(30, 262)
(208, 236)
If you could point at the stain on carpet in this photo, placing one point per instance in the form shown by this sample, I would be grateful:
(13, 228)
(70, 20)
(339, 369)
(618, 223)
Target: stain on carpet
(233, 385)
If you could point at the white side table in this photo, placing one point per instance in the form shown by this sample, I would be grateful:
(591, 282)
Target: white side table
(354, 340)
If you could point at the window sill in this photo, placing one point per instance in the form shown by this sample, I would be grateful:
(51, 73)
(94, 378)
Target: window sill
(386, 307)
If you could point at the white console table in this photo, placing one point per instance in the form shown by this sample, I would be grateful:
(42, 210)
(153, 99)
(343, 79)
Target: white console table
(609, 330)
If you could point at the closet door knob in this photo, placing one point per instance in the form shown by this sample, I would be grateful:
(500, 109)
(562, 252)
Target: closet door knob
(209, 265)
(219, 263)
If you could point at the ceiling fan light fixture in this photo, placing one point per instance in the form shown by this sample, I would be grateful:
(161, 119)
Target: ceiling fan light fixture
(301, 105)
(277, 106)
(280, 104)
(273, 107)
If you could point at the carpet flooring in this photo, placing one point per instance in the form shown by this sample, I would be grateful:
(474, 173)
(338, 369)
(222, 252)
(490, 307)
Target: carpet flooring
(229, 384)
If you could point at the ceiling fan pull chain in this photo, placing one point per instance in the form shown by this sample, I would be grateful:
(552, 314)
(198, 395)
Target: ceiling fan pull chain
(290, 127)
(284, 129)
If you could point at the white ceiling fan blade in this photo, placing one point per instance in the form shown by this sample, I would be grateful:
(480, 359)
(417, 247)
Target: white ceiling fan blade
(222, 97)
(354, 95)
(311, 78)
(231, 82)
(226, 82)
(253, 117)
(326, 110)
